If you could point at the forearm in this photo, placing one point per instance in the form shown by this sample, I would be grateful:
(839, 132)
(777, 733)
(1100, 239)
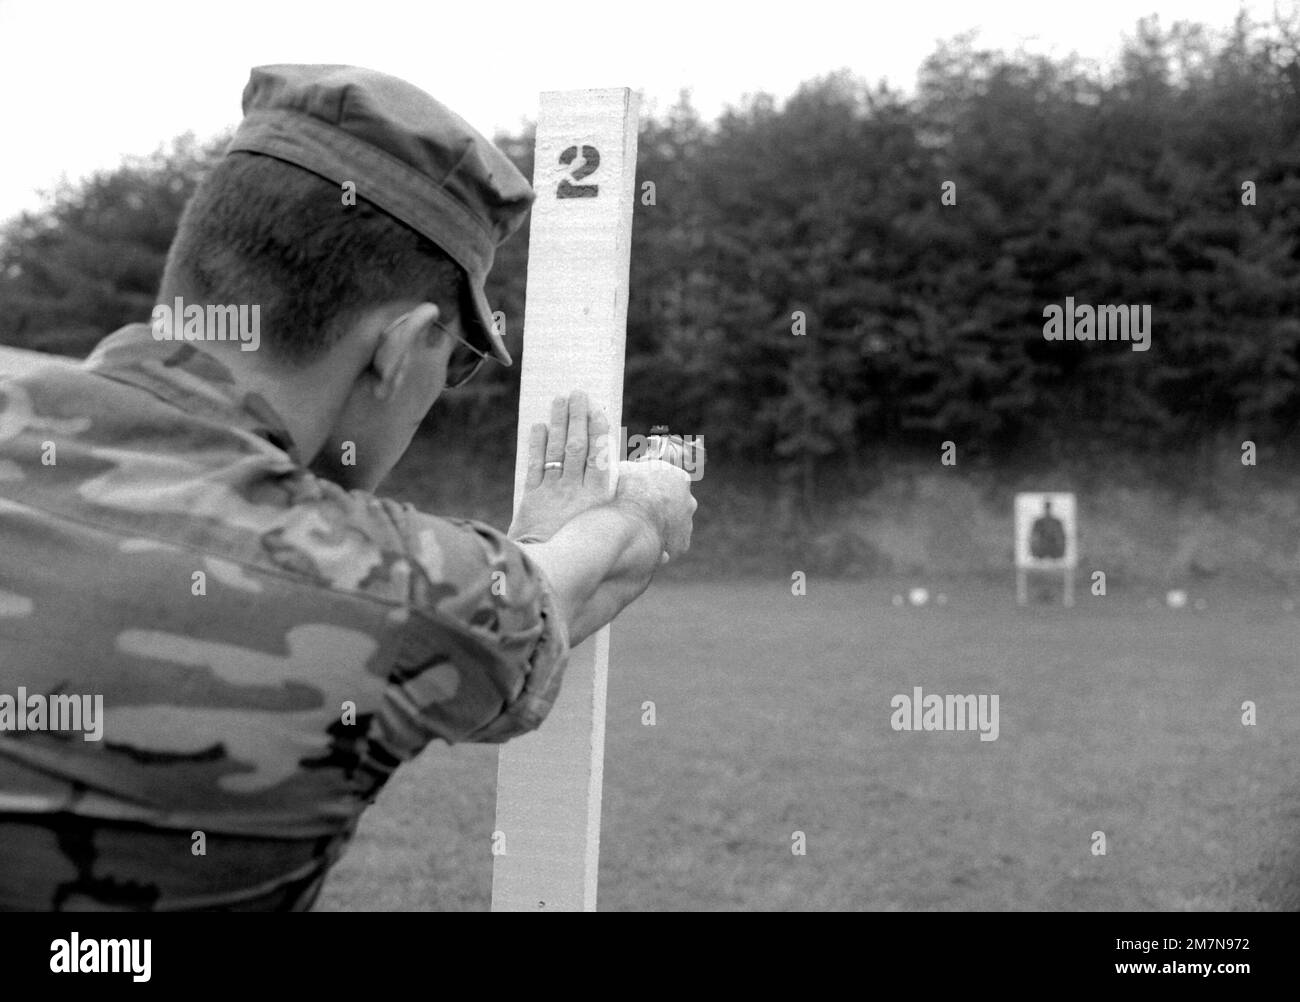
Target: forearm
(598, 563)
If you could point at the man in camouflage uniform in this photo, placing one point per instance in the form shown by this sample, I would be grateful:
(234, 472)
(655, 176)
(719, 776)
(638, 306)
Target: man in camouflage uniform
(183, 534)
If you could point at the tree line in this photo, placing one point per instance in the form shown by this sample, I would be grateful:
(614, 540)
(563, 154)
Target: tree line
(820, 282)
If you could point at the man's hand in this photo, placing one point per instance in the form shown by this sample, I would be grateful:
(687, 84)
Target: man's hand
(600, 553)
(661, 492)
(578, 440)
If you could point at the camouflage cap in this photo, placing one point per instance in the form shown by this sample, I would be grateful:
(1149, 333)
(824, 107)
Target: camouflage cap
(407, 153)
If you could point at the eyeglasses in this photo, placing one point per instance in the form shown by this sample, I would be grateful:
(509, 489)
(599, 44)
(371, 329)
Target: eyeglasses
(464, 362)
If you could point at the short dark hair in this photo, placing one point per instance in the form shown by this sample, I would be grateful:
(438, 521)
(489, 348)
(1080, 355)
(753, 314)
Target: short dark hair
(262, 231)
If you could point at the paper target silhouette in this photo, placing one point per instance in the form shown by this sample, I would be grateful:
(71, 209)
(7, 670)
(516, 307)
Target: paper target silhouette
(1046, 539)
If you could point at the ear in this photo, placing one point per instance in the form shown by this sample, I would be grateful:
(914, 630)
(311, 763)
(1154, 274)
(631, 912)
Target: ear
(393, 348)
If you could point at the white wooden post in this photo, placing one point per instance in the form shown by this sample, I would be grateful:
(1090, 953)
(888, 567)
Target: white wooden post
(575, 328)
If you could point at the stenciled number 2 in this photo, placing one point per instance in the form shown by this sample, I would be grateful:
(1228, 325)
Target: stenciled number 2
(590, 161)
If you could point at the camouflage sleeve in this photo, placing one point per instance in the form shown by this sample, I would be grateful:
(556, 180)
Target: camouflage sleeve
(483, 646)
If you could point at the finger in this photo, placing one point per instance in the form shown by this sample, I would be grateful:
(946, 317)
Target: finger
(598, 446)
(536, 455)
(556, 436)
(682, 542)
(575, 449)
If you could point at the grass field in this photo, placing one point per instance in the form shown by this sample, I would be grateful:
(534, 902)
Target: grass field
(773, 716)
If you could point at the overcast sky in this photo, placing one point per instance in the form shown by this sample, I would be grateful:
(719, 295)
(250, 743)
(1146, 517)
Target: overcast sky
(83, 83)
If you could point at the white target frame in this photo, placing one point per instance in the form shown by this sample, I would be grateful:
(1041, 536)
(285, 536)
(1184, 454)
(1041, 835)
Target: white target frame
(1029, 506)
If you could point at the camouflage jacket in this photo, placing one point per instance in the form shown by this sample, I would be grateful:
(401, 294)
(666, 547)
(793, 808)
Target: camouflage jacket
(268, 646)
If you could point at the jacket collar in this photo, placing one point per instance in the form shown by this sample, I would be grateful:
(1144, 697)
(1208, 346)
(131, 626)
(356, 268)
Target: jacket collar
(191, 379)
